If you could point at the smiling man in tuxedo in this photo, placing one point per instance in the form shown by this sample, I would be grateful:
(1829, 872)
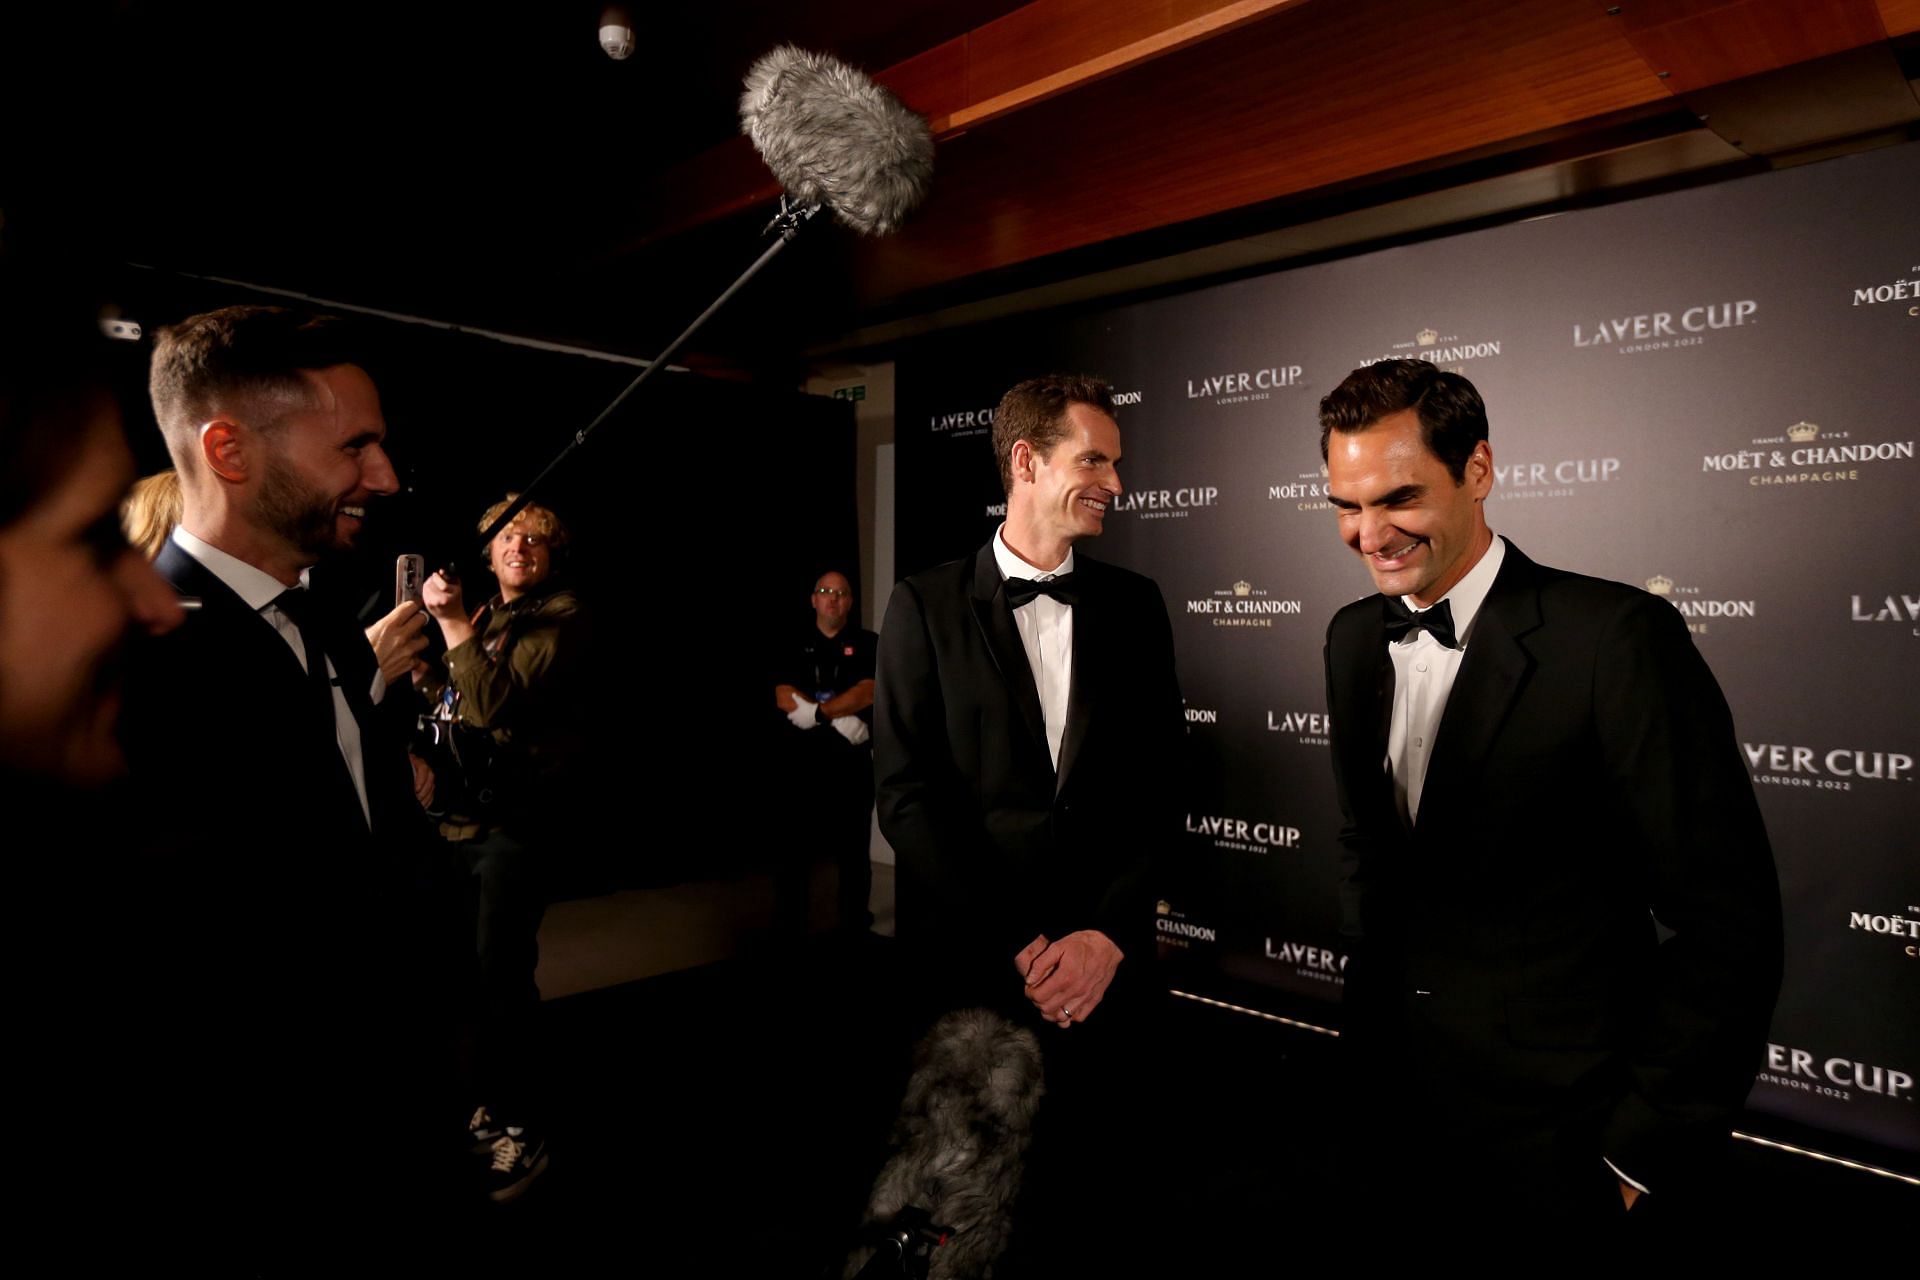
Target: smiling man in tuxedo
(1564, 914)
(1026, 728)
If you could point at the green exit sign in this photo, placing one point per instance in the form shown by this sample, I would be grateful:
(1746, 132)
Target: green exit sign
(850, 393)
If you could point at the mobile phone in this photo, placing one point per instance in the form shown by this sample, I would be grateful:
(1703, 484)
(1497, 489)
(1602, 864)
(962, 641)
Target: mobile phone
(409, 573)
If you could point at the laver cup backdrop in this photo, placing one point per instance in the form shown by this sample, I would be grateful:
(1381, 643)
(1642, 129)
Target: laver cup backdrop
(1710, 394)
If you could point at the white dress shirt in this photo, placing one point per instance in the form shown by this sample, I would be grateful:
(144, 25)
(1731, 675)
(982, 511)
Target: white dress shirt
(1046, 633)
(260, 589)
(1423, 673)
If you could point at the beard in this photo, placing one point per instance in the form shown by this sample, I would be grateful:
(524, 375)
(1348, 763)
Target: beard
(296, 511)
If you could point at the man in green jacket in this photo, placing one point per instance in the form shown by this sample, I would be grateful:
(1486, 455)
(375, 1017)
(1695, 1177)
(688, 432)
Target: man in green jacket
(517, 675)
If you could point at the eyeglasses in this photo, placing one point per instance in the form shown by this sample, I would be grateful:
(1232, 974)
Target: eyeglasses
(830, 591)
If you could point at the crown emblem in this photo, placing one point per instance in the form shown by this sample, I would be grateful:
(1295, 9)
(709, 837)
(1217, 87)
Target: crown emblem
(1243, 588)
(1426, 337)
(1163, 907)
(1660, 584)
(1801, 432)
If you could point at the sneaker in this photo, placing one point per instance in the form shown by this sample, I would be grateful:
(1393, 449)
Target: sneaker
(483, 1131)
(518, 1157)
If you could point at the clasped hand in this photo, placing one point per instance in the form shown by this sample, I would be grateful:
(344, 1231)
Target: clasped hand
(1067, 979)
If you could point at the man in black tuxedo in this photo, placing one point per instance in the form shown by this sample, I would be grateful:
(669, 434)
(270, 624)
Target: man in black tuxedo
(281, 907)
(1026, 727)
(1566, 922)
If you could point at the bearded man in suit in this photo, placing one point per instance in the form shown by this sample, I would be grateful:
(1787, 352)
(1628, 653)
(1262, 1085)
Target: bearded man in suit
(1564, 916)
(1026, 726)
(288, 942)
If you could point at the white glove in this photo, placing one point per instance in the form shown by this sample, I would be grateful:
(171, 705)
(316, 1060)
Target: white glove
(803, 715)
(852, 728)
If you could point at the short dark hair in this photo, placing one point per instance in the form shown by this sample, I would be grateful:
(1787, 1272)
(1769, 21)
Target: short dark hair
(1453, 418)
(206, 361)
(1036, 411)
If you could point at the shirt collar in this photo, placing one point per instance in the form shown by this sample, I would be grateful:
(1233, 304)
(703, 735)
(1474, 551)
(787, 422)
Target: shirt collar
(526, 599)
(254, 585)
(1470, 592)
(1012, 566)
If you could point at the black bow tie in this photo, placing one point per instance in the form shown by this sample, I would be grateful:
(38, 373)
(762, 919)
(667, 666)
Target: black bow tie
(1437, 621)
(1022, 590)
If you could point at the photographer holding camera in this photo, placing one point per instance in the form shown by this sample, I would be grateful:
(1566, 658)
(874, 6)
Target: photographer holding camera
(514, 687)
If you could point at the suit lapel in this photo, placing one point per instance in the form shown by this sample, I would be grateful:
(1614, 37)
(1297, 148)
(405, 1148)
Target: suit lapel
(1002, 638)
(220, 608)
(1087, 621)
(241, 634)
(1371, 697)
(1491, 676)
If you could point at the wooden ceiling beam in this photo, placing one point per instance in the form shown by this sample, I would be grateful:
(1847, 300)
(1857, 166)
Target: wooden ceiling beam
(1068, 123)
(1050, 48)
(1694, 44)
(1037, 52)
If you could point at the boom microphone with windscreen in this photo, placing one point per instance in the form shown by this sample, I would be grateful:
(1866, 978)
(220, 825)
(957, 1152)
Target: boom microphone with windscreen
(835, 140)
(834, 137)
(942, 1206)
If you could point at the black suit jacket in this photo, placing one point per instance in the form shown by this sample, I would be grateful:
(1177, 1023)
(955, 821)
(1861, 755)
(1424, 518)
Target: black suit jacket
(994, 846)
(1585, 783)
(288, 964)
(225, 689)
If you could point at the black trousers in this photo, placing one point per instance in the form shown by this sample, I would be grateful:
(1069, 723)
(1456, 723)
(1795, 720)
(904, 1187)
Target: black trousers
(509, 884)
(829, 804)
(1090, 1194)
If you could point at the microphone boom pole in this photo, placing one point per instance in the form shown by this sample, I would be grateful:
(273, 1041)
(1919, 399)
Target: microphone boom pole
(835, 140)
(786, 224)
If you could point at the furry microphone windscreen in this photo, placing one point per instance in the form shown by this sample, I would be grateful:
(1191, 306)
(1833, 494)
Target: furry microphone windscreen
(834, 137)
(961, 1139)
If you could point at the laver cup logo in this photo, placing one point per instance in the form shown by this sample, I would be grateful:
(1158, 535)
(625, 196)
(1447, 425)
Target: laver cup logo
(1308, 728)
(1812, 454)
(1839, 1077)
(1242, 834)
(962, 422)
(1664, 330)
(1902, 610)
(1319, 964)
(1166, 504)
(1244, 386)
(1814, 769)
(1561, 478)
